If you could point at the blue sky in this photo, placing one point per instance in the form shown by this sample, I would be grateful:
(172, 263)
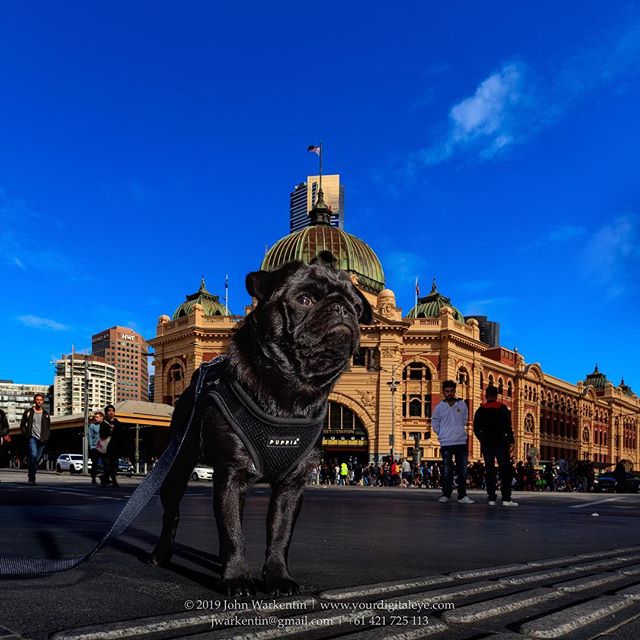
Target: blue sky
(145, 144)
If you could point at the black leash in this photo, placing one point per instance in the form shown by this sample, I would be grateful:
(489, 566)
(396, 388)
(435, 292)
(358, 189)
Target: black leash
(31, 567)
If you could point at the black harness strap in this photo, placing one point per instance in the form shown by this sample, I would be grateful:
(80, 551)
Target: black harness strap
(32, 567)
(276, 444)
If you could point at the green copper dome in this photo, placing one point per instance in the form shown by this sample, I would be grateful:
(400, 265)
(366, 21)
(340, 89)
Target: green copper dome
(626, 389)
(351, 253)
(596, 379)
(211, 305)
(429, 306)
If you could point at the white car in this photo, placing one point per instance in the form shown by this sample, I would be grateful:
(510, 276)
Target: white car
(202, 472)
(71, 462)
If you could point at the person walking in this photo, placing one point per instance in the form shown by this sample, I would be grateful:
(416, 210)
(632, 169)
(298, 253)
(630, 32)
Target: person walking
(344, 474)
(492, 427)
(35, 426)
(116, 446)
(449, 422)
(94, 439)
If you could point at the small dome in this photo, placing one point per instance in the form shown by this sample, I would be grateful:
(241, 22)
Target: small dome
(626, 389)
(386, 295)
(429, 306)
(352, 254)
(211, 305)
(596, 379)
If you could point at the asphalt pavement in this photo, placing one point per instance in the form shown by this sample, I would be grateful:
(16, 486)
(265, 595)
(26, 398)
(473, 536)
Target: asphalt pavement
(559, 565)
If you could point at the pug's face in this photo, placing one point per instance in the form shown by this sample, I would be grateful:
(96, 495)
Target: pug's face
(306, 323)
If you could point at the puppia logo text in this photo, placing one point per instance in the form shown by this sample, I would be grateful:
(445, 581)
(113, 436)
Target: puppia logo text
(284, 442)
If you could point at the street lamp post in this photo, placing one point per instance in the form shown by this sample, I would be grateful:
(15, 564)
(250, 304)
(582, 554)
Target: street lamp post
(85, 442)
(393, 387)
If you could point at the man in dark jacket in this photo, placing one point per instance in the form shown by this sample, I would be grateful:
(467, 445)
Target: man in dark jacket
(117, 445)
(34, 426)
(492, 426)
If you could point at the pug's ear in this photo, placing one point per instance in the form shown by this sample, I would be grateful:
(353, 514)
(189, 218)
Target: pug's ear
(327, 259)
(260, 284)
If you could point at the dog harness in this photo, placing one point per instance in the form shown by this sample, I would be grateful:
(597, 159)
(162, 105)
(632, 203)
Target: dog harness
(276, 444)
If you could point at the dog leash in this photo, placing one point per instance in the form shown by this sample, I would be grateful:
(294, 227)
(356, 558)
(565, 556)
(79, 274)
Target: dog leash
(32, 567)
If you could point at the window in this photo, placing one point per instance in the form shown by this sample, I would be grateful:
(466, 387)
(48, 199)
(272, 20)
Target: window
(416, 371)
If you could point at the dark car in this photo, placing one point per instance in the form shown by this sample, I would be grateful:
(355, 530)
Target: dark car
(607, 482)
(125, 467)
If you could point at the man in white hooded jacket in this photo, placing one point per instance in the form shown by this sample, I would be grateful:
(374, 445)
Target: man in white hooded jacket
(449, 420)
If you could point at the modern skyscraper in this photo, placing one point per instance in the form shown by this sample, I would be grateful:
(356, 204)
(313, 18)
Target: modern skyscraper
(489, 331)
(298, 213)
(305, 195)
(127, 351)
(69, 381)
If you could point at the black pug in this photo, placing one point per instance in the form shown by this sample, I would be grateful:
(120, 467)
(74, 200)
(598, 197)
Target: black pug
(283, 362)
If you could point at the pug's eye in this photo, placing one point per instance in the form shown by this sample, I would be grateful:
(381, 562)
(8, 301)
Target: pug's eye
(306, 300)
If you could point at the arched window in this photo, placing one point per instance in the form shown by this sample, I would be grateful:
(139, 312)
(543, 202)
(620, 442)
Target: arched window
(500, 386)
(341, 423)
(416, 397)
(510, 389)
(175, 383)
(416, 371)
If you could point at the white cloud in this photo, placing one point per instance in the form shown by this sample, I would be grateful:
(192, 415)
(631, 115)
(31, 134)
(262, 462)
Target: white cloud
(23, 244)
(488, 120)
(609, 252)
(42, 323)
(515, 102)
(403, 266)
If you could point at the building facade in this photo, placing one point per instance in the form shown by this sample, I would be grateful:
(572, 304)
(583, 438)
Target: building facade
(127, 351)
(69, 384)
(15, 398)
(386, 396)
(304, 197)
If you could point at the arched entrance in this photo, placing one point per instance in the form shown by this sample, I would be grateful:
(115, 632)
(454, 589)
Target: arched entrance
(343, 435)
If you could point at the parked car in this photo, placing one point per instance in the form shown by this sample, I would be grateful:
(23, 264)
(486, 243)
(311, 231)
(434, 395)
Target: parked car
(202, 472)
(607, 482)
(125, 467)
(71, 462)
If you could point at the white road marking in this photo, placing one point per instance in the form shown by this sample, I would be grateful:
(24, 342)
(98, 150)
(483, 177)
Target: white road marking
(591, 504)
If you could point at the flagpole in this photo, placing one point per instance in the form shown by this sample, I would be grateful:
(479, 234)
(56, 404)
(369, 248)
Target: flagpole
(226, 294)
(321, 166)
(416, 305)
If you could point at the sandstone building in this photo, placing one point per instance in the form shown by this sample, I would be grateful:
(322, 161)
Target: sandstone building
(393, 383)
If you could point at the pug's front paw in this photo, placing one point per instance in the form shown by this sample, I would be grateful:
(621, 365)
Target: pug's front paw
(239, 586)
(280, 586)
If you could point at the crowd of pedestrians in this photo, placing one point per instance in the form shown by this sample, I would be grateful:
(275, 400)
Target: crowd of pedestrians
(428, 475)
(492, 427)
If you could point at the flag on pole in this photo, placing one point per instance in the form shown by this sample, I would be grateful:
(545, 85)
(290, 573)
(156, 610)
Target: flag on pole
(314, 149)
(417, 288)
(226, 294)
